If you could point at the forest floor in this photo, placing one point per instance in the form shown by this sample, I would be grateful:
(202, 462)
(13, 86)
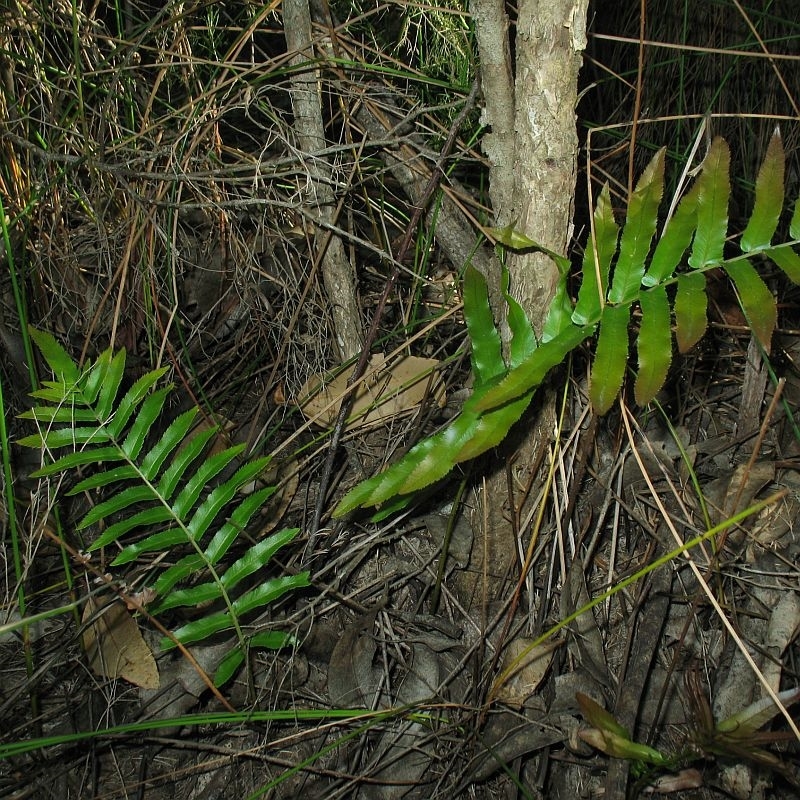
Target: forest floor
(396, 618)
(160, 198)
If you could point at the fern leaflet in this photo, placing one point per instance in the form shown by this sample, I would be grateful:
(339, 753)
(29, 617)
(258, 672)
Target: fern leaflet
(175, 484)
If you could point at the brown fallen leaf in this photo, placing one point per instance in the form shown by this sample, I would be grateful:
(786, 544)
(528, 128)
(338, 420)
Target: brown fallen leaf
(387, 390)
(523, 669)
(679, 782)
(114, 645)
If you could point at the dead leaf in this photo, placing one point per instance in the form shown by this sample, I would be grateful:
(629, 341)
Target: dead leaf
(385, 392)
(114, 645)
(784, 622)
(585, 641)
(353, 679)
(526, 667)
(679, 782)
(285, 476)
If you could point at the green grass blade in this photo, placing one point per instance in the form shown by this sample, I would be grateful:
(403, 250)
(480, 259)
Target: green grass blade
(756, 299)
(794, 225)
(638, 232)
(691, 304)
(675, 239)
(654, 345)
(610, 358)
(712, 207)
(597, 259)
(763, 222)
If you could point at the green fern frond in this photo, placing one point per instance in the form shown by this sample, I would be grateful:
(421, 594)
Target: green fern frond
(212, 624)
(600, 251)
(794, 225)
(486, 352)
(769, 199)
(174, 491)
(713, 191)
(638, 232)
(755, 298)
(654, 344)
(611, 357)
(674, 240)
(619, 259)
(691, 304)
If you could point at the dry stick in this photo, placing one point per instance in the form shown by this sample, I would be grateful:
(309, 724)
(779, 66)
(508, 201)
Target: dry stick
(347, 400)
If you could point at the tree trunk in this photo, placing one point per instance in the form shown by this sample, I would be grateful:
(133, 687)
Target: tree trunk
(337, 272)
(533, 170)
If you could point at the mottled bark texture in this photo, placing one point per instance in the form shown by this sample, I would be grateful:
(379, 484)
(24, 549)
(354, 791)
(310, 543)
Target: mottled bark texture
(497, 83)
(533, 163)
(550, 39)
(337, 273)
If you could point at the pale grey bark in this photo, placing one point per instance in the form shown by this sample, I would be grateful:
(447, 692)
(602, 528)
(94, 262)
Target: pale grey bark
(550, 38)
(337, 273)
(497, 84)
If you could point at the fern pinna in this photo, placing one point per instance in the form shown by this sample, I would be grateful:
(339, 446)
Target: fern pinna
(619, 272)
(175, 487)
